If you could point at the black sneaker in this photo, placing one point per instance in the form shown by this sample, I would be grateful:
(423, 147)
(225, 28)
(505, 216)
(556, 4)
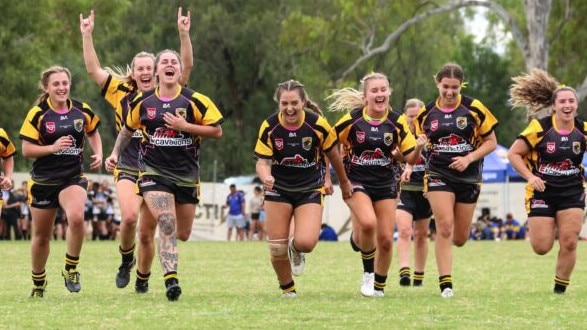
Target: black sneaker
(173, 290)
(123, 276)
(141, 286)
(404, 281)
(71, 278)
(38, 291)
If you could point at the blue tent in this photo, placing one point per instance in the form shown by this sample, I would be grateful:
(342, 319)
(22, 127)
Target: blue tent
(495, 166)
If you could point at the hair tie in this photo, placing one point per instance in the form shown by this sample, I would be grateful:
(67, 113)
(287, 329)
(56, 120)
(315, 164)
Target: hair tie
(464, 84)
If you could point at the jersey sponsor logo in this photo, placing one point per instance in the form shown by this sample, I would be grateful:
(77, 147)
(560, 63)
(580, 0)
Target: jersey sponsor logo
(538, 204)
(50, 127)
(78, 124)
(562, 168)
(165, 137)
(71, 150)
(360, 136)
(279, 144)
(307, 143)
(137, 135)
(434, 182)
(371, 158)
(434, 125)
(182, 112)
(452, 143)
(550, 147)
(577, 148)
(151, 112)
(387, 138)
(419, 168)
(41, 202)
(461, 122)
(297, 161)
(143, 182)
(166, 105)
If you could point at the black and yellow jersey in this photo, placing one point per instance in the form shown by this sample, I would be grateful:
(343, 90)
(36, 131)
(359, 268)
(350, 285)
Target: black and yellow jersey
(368, 145)
(7, 148)
(416, 182)
(556, 156)
(119, 95)
(44, 125)
(455, 133)
(164, 151)
(296, 153)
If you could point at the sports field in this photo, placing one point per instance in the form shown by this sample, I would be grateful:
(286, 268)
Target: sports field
(232, 285)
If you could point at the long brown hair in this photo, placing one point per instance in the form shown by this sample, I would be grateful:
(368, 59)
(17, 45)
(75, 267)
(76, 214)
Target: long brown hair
(535, 92)
(291, 85)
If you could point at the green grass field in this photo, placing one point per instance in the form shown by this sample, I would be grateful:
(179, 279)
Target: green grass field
(232, 285)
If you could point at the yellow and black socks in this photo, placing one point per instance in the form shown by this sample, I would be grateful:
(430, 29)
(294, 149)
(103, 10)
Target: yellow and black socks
(170, 278)
(380, 282)
(368, 261)
(404, 276)
(418, 278)
(127, 255)
(143, 277)
(71, 262)
(445, 281)
(560, 285)
(39, 279)
(289, 287)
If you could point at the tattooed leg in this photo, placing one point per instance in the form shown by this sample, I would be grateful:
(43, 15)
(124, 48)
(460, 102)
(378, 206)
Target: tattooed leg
(162, 206)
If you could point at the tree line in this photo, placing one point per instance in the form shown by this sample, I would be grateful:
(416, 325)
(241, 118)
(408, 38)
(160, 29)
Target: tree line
(243, 49)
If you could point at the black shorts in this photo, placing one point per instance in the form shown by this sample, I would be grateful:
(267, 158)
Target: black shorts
(415, 204)
(467, 193)
(295, 198)
(45, 196)
(124, 175)
(182, 194)
(547, 203)
(255, 216)
(377, 194)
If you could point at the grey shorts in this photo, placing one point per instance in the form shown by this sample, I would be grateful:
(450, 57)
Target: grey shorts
(237, 221)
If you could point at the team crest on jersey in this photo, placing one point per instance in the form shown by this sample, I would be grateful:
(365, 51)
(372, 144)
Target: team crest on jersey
(279, 144)
(387, 138)
(151, 113)
(434, 125)
(50, 126)
(577, 148)
(78, 124)
(360, 136)
(550, 147)
(461, 122)
(307, 143)
(181, 112)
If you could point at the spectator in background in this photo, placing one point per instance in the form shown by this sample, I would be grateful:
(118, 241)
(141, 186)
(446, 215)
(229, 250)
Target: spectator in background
(327, 233)
(512, 229)
(235, 201)
(24, 219)
(11, 213)
(255, 207)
